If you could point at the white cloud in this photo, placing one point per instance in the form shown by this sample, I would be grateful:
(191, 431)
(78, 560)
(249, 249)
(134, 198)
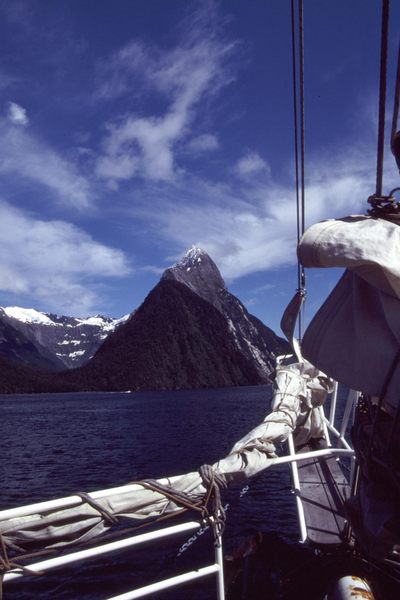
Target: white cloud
(54, 262)
(17, 114)
(253, 228)
(204, 142)
(24, 155)
(184, 76)
(252, 163)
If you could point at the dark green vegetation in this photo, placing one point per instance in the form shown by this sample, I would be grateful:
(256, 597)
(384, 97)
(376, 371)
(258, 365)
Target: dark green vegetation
(17, 378)
(174, 340)
(190, 332)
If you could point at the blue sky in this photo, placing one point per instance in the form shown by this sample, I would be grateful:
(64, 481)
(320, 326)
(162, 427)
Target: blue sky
(130, 130)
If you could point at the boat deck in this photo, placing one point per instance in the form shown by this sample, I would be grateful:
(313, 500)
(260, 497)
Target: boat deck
(324, 489)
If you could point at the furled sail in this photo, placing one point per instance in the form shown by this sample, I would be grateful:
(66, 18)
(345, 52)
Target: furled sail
(355, 336)
(300, 390)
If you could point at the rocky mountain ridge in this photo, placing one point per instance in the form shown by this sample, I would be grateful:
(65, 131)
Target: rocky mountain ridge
(189, 332)
(199, 273)
(63, 341)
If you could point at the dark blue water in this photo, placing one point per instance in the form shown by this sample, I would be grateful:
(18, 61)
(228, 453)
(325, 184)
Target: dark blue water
(55, 445)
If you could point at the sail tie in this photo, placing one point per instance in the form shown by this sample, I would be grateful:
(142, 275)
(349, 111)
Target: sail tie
(177, 496)
(105, 514)
(6, 564)
(213, 482)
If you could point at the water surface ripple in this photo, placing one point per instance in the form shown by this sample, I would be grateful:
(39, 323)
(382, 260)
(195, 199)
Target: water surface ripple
(55, 445)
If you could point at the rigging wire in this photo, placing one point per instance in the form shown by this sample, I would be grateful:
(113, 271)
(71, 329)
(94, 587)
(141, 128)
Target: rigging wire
(298, 106)
(395, 135)
(302, 117)
(296, 137)
(382, 97)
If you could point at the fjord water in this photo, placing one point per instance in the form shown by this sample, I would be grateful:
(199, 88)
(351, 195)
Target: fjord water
(55, 445)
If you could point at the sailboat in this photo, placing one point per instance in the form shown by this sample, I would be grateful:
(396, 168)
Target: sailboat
(349, 542)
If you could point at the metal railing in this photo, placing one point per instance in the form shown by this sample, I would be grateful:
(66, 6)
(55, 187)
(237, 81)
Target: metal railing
(329, 426)
(341, 449)
(42, 567)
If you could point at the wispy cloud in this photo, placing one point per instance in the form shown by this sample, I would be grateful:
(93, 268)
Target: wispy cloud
(202, 143)
(53, 262)
(252, 163)
(26, 156)
(17, 114)
(253, 228)
(191, 72)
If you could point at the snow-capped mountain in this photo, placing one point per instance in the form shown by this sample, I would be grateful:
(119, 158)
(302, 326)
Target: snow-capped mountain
(66, 342)
(190, 332)
(199, 273)
(257, 342)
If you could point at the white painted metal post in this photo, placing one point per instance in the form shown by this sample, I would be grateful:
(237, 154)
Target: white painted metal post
(324, 426)
(332, 412)
(219, 560)
(296, 486)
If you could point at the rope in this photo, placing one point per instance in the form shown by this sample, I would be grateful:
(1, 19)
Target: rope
(211, 481)
(382, 97)
(104, 513)
(213, 484)
(7, 564)
(180, 498)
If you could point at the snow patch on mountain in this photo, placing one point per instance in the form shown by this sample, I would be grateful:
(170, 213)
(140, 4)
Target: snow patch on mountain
(28, 315)
(60, 335)
(192, 257)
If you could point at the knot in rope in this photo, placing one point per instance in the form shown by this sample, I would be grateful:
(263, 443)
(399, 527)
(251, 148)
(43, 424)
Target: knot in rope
(213, 482)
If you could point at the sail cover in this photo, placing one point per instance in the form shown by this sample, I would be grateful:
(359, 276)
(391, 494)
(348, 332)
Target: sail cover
(299, 391)
(355, 336)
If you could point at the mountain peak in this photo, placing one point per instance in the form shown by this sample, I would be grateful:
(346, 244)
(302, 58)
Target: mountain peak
(198, 272)
(27, 315)
(193, 256)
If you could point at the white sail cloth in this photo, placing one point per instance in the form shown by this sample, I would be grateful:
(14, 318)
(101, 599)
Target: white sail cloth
(300, 390)
(355, 336)
(370, 247)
